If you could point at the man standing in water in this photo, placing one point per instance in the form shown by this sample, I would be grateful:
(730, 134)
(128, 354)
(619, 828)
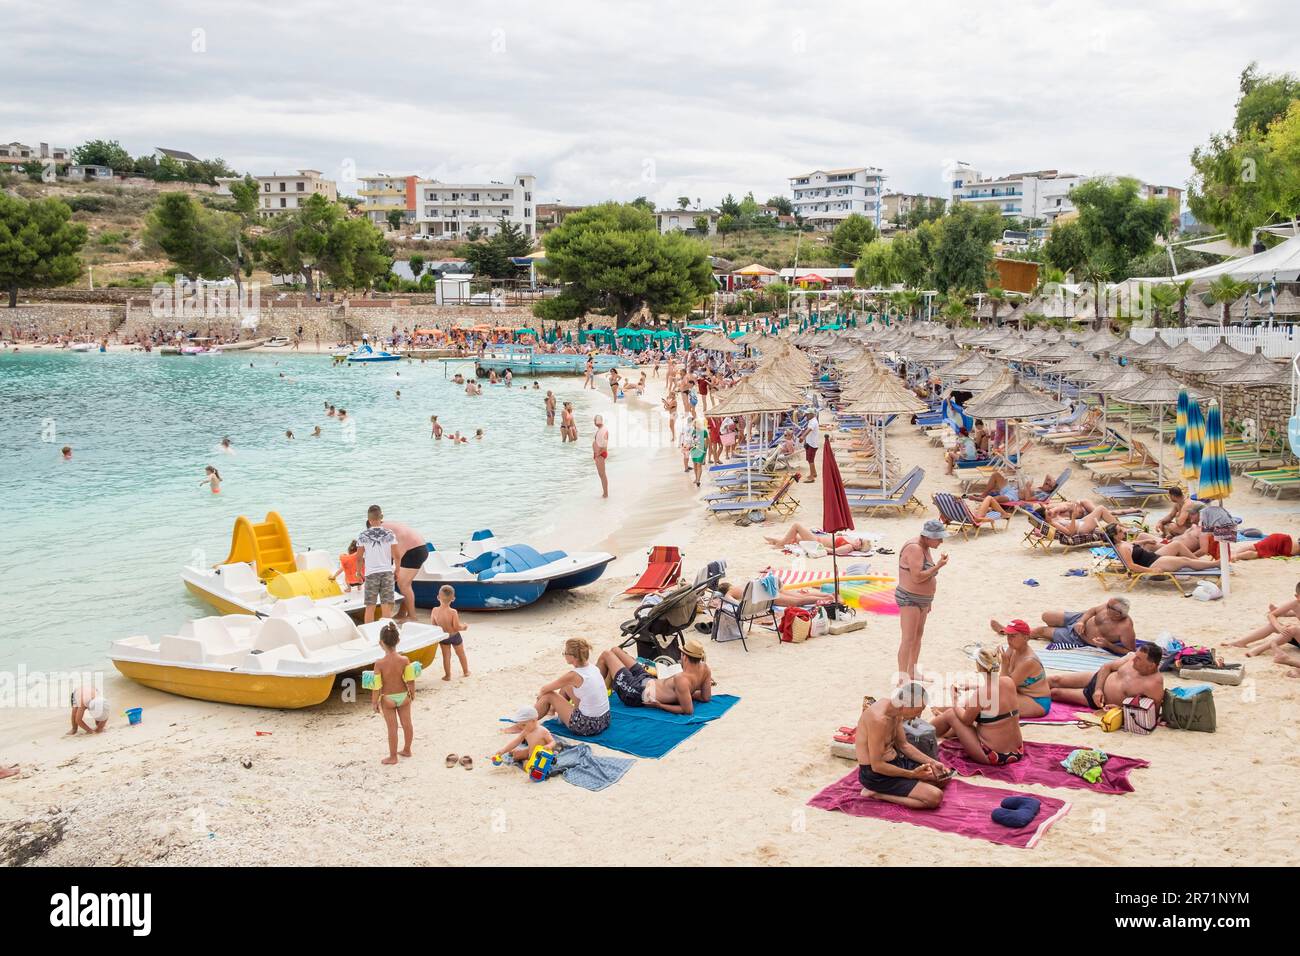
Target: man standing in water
(413, 549)
(550, 407)
(600, 452)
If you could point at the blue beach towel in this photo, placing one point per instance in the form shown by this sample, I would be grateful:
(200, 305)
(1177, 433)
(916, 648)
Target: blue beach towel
(648, 731)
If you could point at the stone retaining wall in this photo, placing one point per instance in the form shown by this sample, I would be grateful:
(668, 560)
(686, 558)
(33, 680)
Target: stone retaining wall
(82, 321)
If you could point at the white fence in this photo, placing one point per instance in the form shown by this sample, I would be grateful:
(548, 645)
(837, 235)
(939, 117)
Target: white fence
(1277, 342)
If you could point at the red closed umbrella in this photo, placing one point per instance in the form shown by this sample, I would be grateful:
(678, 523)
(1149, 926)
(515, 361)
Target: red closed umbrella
(836, 516)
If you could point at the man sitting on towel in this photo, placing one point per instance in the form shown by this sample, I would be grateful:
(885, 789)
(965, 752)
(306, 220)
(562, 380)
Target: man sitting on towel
(677, 694)
(889, 767)
(1136, 675)
(1107, 626)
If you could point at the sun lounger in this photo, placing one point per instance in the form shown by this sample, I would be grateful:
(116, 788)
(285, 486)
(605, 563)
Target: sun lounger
(1042, 535)
(663, 571)
(900, 499)
(1115, 570)
(779, 501)
(956, 514)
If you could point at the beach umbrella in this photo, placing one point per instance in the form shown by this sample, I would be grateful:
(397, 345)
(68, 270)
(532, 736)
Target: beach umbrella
(746, 399)
(1193, 442)
(1152, 352)
(1178, 356)
(1158, 390)
(835, 506)
(1180, 423)
(1216, 481)
(1258, 372)
(1220, 358)
(878, 398)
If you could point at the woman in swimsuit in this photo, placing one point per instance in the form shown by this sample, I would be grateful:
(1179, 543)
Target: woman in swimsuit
(1136, 557)
(1077, 518)
(988, 734)
(1025, 669)
(915, 591)
(842, 543)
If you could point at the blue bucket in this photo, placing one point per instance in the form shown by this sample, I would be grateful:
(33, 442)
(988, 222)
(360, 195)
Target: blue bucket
(134, 715)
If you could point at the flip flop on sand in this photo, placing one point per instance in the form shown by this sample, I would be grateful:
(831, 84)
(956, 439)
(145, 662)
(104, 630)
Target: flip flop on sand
(452, 760)
(8, 771)
(467, 762)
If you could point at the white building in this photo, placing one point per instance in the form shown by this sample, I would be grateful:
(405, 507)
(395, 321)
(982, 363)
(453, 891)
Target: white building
(382, 194)
(447, 209)
(279, 194)
(826, 197)
(1042, 194)
(681, 220)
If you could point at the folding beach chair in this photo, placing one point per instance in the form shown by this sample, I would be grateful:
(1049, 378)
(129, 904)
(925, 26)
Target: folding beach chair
(733, 619)
(663, 571)
(956, 515)
(1042, 535)
(779, 501)
(1114, 569)
(899, 500)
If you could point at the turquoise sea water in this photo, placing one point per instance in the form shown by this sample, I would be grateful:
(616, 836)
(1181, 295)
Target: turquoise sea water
(96, 544)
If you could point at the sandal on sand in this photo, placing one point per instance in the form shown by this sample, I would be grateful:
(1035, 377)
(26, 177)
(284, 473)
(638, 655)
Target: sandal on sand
(452, 760)
(467, 762)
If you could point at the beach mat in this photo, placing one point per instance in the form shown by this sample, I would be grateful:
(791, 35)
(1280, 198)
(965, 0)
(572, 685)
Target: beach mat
(648, 731)
(1042, 765)
(967, 810)
(1083, 660)
(1059, 713)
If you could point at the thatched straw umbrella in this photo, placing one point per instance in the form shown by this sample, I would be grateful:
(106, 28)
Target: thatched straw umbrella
(1258, 372)
(883, 397)
(1158, 389)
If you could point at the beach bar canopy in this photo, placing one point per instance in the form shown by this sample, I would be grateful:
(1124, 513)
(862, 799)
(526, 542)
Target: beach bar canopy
(1282, 262)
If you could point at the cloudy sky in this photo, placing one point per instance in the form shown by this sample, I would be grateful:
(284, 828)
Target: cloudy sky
(617, 99)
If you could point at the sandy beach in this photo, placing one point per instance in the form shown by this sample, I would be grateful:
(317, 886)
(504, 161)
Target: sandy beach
(176, 790)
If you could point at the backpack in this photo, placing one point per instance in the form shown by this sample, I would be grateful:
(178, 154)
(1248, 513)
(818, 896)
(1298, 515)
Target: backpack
(1194, 711)
(1140, 715)
(920, 734)
(794, 616)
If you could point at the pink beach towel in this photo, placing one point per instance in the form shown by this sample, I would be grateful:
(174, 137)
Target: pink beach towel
(966, 810)
(1060, 713)
(1042, 765)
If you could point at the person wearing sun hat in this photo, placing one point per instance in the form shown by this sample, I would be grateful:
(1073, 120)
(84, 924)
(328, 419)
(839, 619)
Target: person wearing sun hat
(915, 591)
(528, 733)
(1023, 666)
(678, 694)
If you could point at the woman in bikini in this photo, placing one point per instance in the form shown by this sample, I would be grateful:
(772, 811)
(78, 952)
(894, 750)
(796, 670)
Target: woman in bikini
(915, 591)
(1033, 697)
(1137, 557)
(670, 406)
(842, 543)
(1076, 517)
(988, 734)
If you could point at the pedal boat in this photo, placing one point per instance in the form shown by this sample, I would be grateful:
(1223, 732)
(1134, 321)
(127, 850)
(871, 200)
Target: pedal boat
(488, 576)
(286, 660)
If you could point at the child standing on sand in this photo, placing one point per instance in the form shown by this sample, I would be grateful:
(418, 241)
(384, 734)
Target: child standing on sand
(213, 479)
(391, 673)
(446, 617)
(529, 733)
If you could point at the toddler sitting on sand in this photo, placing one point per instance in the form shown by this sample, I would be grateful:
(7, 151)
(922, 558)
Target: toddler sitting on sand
(529, 733)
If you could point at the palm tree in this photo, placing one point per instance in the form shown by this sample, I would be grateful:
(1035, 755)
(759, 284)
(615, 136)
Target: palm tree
(910, 300)
(997, 297)
(1167, 298)
(954, 309)
(1224, 291)
(1096, 273)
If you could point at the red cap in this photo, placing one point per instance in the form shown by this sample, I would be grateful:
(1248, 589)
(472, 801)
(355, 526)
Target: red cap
(1016, 627)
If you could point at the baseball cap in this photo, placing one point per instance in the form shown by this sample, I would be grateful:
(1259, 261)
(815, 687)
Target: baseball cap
(933, 528)
(1016, 627)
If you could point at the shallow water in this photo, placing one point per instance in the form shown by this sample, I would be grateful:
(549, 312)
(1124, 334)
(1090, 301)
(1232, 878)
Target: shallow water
(97, 543)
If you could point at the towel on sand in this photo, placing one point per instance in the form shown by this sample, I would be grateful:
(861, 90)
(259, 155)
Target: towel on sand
(1059, 713)
(582, 768)
(1042, 765)
(1083, 660)
(966, 809)
(648, 731)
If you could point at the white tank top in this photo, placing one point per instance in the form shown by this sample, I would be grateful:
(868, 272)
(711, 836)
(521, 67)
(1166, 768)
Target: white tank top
(593, 697)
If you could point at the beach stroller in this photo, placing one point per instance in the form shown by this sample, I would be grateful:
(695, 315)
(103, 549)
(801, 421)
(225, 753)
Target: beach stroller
(657, 625)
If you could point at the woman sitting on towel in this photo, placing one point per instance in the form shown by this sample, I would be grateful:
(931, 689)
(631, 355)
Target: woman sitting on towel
(1023, 666)
(989, 728)
(1137, 557)
(844, 542)
(579, 697)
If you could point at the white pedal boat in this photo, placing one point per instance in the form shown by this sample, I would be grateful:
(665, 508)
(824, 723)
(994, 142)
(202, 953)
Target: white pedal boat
(287, 660)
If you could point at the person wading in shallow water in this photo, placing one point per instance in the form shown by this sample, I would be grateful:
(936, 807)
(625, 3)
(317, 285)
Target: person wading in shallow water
(600, 453)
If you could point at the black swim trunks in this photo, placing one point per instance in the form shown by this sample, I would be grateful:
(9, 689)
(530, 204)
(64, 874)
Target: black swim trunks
(1142, 557)
(891, 786)
(629, 684)
(415, 557)
(452, 640)
(1089, 690)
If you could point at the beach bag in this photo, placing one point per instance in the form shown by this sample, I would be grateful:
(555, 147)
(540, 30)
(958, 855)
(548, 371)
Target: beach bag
(920, 734)
(1194, 711)
(794, 625)
(1140, 715)
(819, 624)
(1112, 719)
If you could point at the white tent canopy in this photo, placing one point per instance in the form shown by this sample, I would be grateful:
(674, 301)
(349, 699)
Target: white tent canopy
(1283, 260)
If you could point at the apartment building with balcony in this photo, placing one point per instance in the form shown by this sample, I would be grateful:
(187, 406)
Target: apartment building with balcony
(451, 209)
(381, 194)
(826, 197)
(895, 207)
(1041, 194)
(278, 194)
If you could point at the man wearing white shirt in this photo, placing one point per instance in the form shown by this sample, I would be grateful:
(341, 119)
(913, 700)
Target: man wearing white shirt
(812, 439)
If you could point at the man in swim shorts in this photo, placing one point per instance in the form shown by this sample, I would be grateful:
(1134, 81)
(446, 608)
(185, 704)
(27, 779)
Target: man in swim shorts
(889, 767)
(1107, 626)
(678, 694)
(1136, 675)
(414, 550)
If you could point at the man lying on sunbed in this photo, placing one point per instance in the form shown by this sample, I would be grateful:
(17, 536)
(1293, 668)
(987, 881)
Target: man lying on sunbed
(1138, 557)
(1107, 626)
(1135, 675)
(890, 768)
(1005, 490)
(677, 694)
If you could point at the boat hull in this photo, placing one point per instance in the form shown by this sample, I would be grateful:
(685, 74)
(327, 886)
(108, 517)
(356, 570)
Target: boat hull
(353, 603)
(480, 595)
(578, 578)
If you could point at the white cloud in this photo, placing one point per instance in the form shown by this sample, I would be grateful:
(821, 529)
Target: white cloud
(613, 100)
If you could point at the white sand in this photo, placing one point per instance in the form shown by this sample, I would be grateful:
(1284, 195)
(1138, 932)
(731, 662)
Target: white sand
(173, 789)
